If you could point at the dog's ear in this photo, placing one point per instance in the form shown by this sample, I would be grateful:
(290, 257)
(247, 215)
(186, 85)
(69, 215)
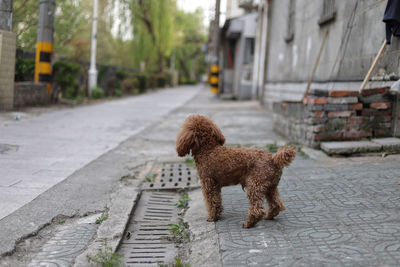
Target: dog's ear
(185, 141)
(216, 132)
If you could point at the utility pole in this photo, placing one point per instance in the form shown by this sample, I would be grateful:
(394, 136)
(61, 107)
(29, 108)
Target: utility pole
(93, 70)
(7, 55)
(6, 7)
(214, 69)
(44, 45)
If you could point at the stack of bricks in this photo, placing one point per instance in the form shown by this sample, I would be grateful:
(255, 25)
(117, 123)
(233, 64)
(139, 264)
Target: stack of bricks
(336, 115)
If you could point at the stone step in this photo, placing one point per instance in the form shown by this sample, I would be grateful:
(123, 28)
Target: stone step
(389, 144)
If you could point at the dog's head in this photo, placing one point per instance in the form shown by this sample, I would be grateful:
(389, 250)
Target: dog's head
(198, 132)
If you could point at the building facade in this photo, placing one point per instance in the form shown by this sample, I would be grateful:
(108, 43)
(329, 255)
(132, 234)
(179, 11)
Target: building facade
(296, 30)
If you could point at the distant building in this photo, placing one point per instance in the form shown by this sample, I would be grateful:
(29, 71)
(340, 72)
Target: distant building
(237, 47)
(233, 10)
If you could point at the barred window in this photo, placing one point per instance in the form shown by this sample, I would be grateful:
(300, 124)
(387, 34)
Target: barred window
(328, 13)
(290, 26)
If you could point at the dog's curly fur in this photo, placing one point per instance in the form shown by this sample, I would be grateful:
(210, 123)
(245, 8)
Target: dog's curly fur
(256, 169)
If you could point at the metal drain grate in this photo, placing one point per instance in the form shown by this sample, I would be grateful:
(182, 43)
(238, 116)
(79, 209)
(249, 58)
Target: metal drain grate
(173, 176)
(148, 244)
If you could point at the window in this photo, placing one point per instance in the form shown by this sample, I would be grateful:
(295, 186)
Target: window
(290, 26)
(249, 51)
(328, 13)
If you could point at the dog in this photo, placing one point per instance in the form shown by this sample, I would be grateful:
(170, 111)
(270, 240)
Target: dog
(217, 165)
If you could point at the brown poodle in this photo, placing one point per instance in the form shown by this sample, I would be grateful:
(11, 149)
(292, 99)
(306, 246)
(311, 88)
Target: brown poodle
(217, 165)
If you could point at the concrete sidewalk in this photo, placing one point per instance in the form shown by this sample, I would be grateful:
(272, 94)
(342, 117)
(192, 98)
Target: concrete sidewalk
(340, 212)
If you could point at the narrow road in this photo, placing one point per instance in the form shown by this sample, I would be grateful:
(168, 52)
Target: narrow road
(39, 152)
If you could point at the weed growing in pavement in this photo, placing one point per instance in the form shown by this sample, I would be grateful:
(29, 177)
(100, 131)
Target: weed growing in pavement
(303, 154)
(180, 231)
(273, 148)
(178, 263)
(189, 162)
(101, 219)
(106, 257)
(151, 179)
(184, 202)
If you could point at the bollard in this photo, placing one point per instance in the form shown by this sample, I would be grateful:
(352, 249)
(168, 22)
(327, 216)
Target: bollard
(214, 79)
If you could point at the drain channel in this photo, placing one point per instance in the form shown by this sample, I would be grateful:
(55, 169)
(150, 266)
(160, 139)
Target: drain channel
(174, 176)
(148, 244)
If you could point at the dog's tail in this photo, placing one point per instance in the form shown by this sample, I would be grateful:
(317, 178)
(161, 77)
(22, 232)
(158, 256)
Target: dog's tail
(284, 157)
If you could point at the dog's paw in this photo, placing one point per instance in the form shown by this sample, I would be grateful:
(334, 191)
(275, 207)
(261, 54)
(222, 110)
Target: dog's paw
(212, 219)
(246, 225)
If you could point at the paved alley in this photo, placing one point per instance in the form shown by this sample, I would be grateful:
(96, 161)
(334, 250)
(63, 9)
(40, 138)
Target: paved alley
(339, 211)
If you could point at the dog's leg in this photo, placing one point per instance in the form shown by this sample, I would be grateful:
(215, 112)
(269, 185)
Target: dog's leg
(275, 203)
(256, 211)
(212, 196)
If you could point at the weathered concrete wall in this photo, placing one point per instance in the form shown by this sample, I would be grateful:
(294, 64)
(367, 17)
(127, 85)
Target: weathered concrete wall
(29, 94)
(336, 115)
(354, 38)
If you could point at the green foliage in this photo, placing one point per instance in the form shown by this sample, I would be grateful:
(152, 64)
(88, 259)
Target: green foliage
(106, 257)
(153, 25)
(180, 231)
(152, 81)
(130, 85)
(121, 74)
(96, 93)
(102, 218)
(118, 92)
(273, 148)
(65, 75)
(161, 33)
(161, 80)
(303, 154)
(184, 80)
(189, 162)
(184, 202)
(151, 178)
(24, 70)
(142, 81)
(71, 22)
(168, 78)
(190, 36)
(179, 263)
(102, 72)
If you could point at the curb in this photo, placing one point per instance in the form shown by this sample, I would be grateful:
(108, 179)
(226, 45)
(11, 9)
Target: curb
(204, 245)
(123, 203)
(113, 228)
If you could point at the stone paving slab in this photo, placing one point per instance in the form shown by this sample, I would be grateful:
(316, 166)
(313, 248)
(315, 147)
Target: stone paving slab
(65, 246)
(390, 143)
(350, 147)
(335, 216)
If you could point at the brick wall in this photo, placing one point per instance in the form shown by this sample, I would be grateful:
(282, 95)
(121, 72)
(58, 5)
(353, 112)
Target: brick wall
(29, 94)
(335, 115)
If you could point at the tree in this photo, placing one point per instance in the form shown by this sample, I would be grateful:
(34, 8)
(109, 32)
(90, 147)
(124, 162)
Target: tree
(153, 25)
(188, 41)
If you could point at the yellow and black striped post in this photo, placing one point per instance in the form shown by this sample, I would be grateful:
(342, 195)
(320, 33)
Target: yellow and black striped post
(44, 51)
(44, 46)
(214, 69)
